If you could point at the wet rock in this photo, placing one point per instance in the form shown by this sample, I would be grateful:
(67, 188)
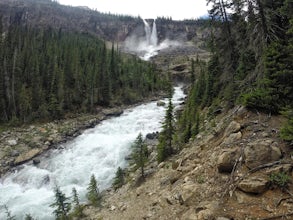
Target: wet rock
(36, 161)
(128, 157)
(255, 184)
(46, 180)
(152, 136)
(113, 112)
(227, 160)
(161, 103)
(261, 152)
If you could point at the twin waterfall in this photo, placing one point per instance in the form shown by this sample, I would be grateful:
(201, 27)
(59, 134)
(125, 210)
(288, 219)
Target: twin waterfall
(151, 36)
(146, 45)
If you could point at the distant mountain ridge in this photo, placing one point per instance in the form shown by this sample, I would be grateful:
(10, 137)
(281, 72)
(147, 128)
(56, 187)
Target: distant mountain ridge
(50, 14)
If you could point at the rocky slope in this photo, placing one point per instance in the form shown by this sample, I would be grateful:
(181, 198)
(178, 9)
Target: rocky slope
(227, 172)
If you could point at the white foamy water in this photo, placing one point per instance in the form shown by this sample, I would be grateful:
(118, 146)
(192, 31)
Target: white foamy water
(148, 46)
(99, 151)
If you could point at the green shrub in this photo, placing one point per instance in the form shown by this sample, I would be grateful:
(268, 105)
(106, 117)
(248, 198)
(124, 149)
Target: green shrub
(287, 129)
(280, 179)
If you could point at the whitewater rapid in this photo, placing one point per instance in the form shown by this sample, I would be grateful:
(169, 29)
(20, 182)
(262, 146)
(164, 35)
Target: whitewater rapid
(99, 151)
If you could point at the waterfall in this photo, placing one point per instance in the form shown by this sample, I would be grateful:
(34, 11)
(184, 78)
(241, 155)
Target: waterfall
(154, 35)
(147, 30)
(151, 35)
(147, 45)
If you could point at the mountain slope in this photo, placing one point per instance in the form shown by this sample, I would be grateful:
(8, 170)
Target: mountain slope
(197, 184)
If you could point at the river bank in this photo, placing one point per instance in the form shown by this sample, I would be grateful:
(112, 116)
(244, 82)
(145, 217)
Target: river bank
(26, 143)
(97, 151)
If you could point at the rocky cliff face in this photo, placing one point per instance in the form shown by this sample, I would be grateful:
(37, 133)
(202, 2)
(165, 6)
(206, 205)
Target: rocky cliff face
(232, 170)
(45, 14)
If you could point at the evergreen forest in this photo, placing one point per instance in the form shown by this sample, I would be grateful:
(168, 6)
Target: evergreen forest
(47, 73)
(251, 64)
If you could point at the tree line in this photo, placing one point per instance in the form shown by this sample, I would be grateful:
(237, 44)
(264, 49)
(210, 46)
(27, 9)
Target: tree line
(251, 49)
(47, 73)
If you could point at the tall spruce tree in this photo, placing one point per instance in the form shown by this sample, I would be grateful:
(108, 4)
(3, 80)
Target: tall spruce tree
(165, 147)
(62, 205)
(140, 153)
(93, 193)
(77, 209)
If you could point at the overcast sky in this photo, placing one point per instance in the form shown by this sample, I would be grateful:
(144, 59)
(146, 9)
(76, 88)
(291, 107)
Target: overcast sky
(177, 9)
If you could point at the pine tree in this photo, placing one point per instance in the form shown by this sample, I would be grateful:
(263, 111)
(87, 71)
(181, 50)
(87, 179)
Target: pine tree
(119, 179)
(77, 208)
(140, 153)
(165, 147)
(93, 194)
(61, 205)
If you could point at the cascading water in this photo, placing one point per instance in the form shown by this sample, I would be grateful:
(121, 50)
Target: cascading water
(154, 35)
(148, 33)
(99, 151)
(148, 45)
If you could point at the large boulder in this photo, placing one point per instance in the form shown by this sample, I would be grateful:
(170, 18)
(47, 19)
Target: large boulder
(255, 184)
(27, 156)
(261, 152)
(227, 160)
(114, 112)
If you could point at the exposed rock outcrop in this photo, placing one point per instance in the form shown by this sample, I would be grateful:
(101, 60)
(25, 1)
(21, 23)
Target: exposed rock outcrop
(227, 160)
(255, 184)
(198, 182)
(260, 152)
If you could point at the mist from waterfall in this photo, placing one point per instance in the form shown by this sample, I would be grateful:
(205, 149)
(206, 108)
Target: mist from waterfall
(148, 45)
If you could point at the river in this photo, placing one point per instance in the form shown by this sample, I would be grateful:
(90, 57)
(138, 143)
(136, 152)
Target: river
(99, 151)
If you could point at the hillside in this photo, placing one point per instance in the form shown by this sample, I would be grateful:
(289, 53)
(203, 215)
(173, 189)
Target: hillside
(225, 155)
(225, 173)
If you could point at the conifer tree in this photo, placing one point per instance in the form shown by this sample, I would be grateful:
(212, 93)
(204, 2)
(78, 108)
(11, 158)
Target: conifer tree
(93, 193)
(77, 208)
(140, 153)
(119, 179)
(62, 205)
(165, 147)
